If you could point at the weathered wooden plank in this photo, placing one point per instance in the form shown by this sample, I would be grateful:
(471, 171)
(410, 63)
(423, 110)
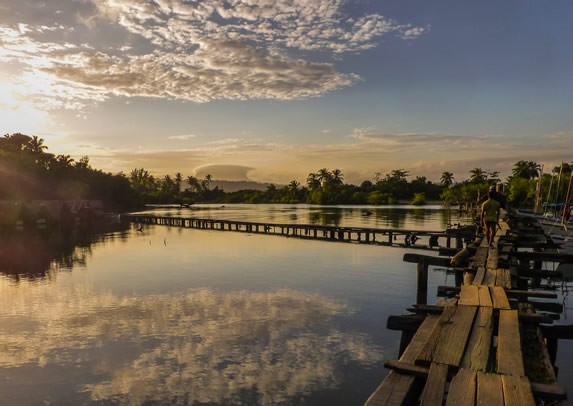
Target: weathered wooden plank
(484, 296)
(499, 298)
(480, 274)
(396, 390)
(503, 278)
(462, 389)
(517, 391)
(523, 317)
(399, 389)
(489, 278)
(492, 257)
(420, 338)
(480, 257)
(435, 385)
(476, 355)
(509, 357)
(489, 389)
(469, 295)
(426, 259)
(529, 293)
(544, 391)
(448, 340)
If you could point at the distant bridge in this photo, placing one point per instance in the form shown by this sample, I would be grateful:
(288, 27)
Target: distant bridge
(420, 239)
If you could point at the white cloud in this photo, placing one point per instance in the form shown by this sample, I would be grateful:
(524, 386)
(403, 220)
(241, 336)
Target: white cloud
(182, 137)
(196, 51)
(202, 345)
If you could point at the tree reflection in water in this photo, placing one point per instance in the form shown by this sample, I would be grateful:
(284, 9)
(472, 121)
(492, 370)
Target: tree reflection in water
(34, 254)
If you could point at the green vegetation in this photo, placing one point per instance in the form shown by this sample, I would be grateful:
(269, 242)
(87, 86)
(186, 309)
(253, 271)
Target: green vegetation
(28, 171)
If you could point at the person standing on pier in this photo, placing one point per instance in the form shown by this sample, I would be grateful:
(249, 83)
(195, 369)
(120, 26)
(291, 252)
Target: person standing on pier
(489, 217)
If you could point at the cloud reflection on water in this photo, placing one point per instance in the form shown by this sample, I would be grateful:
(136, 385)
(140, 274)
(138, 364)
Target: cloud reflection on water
(198, 346)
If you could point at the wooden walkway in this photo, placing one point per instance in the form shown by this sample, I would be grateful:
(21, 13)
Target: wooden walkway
(419, 239)
(479, 348)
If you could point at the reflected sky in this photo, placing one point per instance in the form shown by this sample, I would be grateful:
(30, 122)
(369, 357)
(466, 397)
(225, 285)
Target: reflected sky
(198, 346)
(169, 315)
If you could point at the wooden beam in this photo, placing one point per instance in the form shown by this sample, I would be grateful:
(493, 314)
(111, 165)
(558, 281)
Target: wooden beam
(542, 390)
(448, 340)
(499, 298)
(435, 385)
(476, 355)
(462, 389)
(503, 278)
(480, 274)
(489, 389)
(509, 357)
(543, 256)
(426, 259)
(563, 332)
(529, 293)
(517, 391)
(523, 317)
(484, 296)
(469, 295)
(399, 389)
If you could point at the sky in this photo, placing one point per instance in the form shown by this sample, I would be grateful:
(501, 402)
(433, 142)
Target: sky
(273, 90)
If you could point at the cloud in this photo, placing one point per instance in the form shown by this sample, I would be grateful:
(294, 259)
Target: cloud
(182, 137)
(180, 50)
(224, 172)
(201, 345)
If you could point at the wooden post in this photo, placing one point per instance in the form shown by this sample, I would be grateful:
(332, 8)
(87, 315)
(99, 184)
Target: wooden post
(552, 344)
(422, 286)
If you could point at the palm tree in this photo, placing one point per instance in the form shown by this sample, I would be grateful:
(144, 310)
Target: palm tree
(206, 183)
(178, 182)
(493, 176)
(293, 185)
(194, 183)
(337, 176)
(64, 160)
(36, 145)
(324, 176)
(312, 181)
(478, 175)
(447, 179)
(526, 169)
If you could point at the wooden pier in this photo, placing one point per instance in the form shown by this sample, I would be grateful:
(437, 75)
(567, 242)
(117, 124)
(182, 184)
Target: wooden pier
(419, 239)
(486, 345)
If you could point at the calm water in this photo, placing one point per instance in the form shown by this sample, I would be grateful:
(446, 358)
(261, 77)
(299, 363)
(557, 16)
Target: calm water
(198, 317)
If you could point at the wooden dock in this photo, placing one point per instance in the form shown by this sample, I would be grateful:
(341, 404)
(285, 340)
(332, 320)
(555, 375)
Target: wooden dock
(419, 239)
(483, 346)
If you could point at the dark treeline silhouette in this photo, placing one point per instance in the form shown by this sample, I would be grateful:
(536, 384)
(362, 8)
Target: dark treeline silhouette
(28, 171)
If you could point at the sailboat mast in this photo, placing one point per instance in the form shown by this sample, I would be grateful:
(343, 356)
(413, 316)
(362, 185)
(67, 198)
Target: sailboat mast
(538, 191)
(566, 201)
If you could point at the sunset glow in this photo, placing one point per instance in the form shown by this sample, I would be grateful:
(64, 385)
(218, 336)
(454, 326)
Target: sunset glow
(270, 91)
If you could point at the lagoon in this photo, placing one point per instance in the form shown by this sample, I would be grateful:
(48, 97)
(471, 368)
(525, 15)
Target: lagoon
(199, 317)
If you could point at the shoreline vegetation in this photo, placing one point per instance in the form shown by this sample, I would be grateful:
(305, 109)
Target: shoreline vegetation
(28, 172)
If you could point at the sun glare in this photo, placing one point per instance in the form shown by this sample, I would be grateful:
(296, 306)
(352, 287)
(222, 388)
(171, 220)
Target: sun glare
(17, 115)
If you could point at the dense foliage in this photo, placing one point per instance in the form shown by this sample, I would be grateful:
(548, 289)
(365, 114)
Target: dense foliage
(28, 171)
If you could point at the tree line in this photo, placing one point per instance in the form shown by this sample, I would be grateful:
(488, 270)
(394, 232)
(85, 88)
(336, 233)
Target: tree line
(28, 171)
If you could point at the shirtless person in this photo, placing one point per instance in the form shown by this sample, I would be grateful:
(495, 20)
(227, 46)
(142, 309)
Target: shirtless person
(490, 210)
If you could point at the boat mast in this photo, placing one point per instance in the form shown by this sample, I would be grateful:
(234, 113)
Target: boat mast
(538, 191)
(566, 202)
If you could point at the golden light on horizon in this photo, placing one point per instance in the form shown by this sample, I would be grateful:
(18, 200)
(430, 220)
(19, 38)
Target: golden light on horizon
(17, 115)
